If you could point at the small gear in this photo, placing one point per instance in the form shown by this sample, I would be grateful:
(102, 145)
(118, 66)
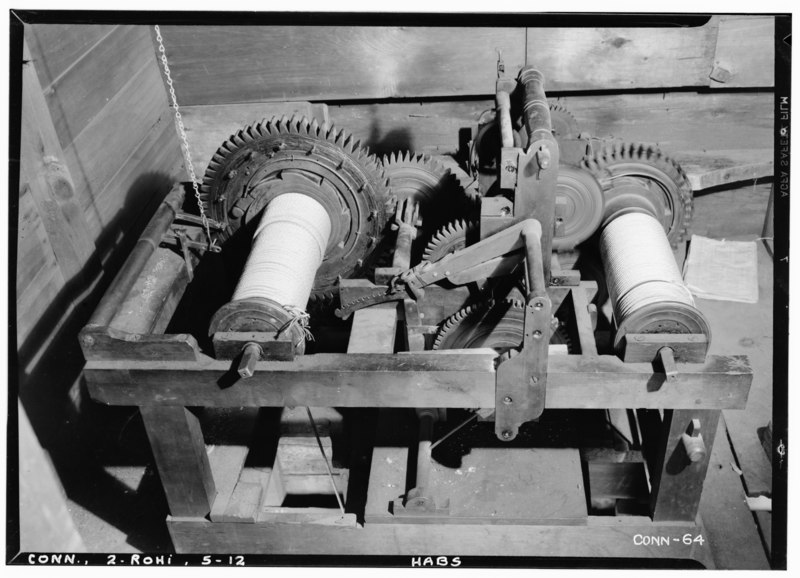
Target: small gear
(467, 183)
(451, 238)
(640, 177)
(435, 187)
(498, 325)
(283, 155)
(563, 123)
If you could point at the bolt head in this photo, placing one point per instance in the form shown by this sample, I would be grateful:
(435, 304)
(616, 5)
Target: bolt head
(507, 399)
(507, 435)
(537, 334)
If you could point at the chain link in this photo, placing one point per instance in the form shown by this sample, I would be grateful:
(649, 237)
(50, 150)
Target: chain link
(187, 155)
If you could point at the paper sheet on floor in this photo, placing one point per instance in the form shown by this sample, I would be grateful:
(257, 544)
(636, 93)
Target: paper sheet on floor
(722, 270)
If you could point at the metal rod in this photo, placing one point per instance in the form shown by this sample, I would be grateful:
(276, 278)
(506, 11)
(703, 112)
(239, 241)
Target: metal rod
(454, 430)
(136, 261)
(325, 459)
(533, 261)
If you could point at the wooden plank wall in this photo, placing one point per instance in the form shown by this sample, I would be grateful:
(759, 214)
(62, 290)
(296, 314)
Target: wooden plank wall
(237, 64)
(223, 74)
(719, 137)
(101, 95)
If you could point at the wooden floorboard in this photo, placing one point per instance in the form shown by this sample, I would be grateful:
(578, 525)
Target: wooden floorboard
(748, 332)
(729, 525)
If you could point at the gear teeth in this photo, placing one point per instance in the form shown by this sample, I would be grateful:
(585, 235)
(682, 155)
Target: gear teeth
(455, 320)
(479, 310)
(612, 152)
(301, 133)
(446, 239)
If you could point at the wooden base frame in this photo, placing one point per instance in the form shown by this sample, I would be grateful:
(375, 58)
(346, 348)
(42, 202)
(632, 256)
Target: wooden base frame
(599, 537)
(219, 506)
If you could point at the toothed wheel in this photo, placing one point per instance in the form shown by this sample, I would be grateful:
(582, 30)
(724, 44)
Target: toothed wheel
(435, 187)
(498, 325)
(563, 123)
(637, 177)
(283, 155)
(451, 238)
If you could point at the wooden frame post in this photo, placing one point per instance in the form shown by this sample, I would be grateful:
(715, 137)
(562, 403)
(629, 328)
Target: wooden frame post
(180, 455)
(677, 480)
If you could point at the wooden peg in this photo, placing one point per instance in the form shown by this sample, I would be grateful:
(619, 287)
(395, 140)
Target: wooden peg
(250, 356)
(667, 357)
(693, 442)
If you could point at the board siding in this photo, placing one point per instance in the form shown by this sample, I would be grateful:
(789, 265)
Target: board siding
(236, 64)
(240, 64)
(77, 95)
(745, 51)
(56, 48)
(622, 58)
(98, 90)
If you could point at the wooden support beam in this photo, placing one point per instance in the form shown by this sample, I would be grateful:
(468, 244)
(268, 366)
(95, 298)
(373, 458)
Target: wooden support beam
(374, 329)
(181, 459)
(247, 497)
(601, 535)
(226, 456)
(583, 321)
(458, 378)
(677, 481)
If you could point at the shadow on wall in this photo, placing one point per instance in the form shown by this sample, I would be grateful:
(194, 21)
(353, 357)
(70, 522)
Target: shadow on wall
(82, 437)
(395, 140)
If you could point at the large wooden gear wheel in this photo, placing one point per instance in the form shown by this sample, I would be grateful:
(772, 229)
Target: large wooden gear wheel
(637, 177)
(279, 156)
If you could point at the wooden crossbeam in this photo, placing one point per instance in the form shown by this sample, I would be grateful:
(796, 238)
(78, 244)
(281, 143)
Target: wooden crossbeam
(435, 379)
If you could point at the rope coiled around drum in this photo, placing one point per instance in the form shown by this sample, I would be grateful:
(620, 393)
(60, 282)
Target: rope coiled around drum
(272, 293)
(645, 285)
(288, 248)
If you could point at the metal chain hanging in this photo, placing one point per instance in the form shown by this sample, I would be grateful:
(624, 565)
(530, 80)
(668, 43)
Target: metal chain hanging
(187, 155)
